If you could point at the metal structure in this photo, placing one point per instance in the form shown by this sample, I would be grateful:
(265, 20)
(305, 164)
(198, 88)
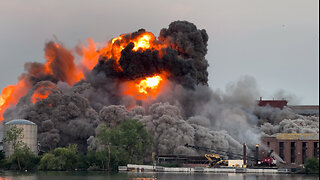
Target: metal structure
(214, 159)
(244, 155)
(28, 135)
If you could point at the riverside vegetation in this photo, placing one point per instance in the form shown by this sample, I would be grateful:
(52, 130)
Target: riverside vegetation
(129, 142)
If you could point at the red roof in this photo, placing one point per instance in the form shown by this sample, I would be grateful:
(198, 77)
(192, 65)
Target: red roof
(273, 103)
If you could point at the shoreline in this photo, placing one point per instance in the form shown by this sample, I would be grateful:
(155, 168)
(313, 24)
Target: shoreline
(150, 168)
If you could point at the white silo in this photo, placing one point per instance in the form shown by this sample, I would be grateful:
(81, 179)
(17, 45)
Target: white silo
(28, 135)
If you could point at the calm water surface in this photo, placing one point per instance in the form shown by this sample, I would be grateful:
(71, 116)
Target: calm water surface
(159, 176)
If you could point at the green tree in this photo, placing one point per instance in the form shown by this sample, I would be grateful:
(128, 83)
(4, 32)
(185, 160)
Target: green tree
(13, 137)
(103, 135)
(22, 159)
(127, 143)
(81, 162)
(2, 159)
(60, 159)
(312, 165)
(97, 159)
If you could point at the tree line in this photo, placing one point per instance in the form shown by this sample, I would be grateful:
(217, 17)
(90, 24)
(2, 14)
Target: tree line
(129, 142)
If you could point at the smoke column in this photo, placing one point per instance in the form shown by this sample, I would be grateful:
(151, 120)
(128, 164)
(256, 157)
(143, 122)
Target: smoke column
(161, 81)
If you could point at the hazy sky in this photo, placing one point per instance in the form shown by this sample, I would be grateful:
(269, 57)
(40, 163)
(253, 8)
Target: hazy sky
(274, 41)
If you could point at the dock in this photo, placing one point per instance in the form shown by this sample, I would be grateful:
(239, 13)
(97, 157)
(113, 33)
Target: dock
(150, 168)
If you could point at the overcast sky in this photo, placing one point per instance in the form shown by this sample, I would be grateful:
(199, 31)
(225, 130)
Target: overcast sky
(274, 41)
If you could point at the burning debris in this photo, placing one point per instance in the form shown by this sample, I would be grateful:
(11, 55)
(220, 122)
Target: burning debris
(160, 81)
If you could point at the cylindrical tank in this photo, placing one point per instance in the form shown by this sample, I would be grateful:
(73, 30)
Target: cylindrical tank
(28, 135)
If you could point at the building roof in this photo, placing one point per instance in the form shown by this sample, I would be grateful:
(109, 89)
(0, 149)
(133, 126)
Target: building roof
(20, 121)
(297, 136)
(306, 109)
(273, 103)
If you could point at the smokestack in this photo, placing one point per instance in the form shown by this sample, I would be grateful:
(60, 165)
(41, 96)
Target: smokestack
(244, 155)
(257, 154)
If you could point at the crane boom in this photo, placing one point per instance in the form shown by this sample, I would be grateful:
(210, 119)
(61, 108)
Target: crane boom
(213, 159)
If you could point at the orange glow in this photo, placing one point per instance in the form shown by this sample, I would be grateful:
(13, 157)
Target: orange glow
(47, 69)
(144, 89)
(71, 72)
(142, 42)
(148, 84)
(38, 96)
(11, 94)
(52, 54)
(90, 55)
(42, 92)
(6, 93)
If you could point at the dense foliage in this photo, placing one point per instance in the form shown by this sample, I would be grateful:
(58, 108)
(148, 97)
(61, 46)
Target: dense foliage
(60, 159)
(22, 159)
(127, 143)
(13, 137)
(312, 165)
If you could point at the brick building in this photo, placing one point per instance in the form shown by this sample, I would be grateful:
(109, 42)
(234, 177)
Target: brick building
(306, 110)
(293, 148)
(273, 103)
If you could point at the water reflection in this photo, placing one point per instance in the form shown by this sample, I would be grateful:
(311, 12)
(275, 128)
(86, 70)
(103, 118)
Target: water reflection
(158, 176)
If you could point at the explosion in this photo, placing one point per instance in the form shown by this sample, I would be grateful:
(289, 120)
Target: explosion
(42, 92)
(141, 41)
(149, 84)
(60, 66)
(11, 94)
(160, 81)
(146, 88)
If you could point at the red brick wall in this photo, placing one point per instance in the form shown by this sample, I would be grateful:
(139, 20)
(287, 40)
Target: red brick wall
(274, 145)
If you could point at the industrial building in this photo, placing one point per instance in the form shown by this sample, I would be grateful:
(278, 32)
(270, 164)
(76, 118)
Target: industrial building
(28, 135)
(293, 148)
(273, 103)
(305, 110)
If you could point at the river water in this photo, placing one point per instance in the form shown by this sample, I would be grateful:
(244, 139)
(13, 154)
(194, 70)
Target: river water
(159, 176)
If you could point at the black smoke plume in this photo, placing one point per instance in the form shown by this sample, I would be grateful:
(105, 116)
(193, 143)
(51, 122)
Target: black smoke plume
(188, 112)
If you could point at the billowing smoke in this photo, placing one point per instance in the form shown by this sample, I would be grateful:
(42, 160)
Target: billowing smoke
(191, 45)
(291, 98)
(183, 59)
(68, 100)
(60, 66)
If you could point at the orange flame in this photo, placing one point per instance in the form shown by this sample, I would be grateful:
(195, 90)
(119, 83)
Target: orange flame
(144, 89)
(148, 84)
(39, 95)
(42, 92)
(140, 89)
(142, 42)
(90, 55)
(73, 73)
(11, 94)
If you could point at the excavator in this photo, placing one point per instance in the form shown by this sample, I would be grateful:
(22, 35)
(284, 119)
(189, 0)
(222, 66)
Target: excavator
(214, 159)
